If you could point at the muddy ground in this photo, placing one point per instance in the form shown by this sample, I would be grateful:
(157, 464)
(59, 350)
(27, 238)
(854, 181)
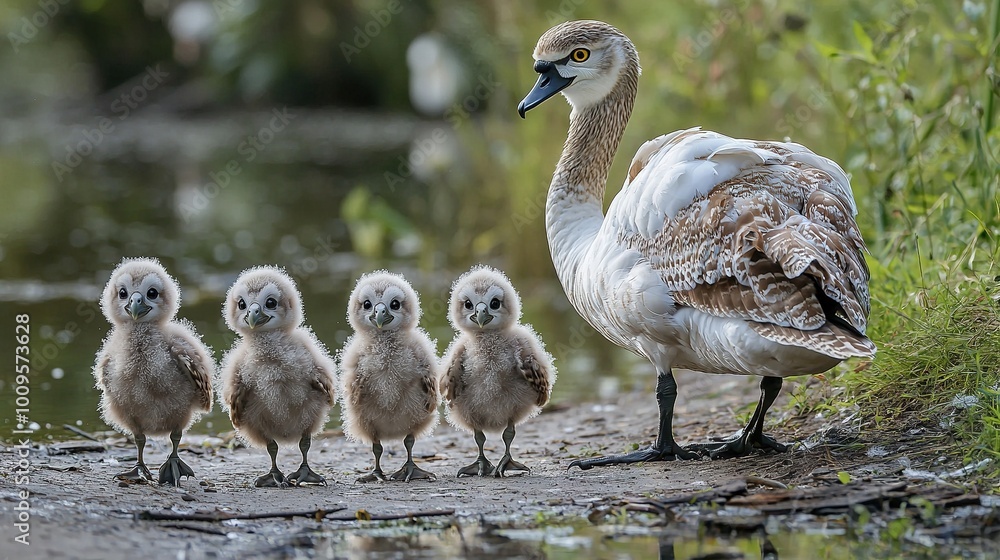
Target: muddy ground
(78, 510)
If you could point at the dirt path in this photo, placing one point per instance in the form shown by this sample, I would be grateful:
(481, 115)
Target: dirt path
(79, 511)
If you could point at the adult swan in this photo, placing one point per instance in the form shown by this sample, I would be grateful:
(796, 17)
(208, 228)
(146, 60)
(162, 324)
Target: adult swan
(718, 255)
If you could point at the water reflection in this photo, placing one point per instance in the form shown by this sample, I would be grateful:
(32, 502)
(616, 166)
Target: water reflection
(601, 543)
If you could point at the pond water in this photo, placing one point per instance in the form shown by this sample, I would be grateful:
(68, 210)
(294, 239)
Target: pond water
(208, 210)
(819, 541)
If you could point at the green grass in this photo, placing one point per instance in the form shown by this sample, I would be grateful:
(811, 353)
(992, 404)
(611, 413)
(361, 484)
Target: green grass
(925, 156)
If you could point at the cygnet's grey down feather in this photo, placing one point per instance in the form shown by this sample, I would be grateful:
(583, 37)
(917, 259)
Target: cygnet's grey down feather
(389, 381)
(496, 371)
(278, 379)
(153, 371)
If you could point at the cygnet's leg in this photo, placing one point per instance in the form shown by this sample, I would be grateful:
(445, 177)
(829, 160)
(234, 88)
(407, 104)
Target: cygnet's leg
(506, 462)
(273, 479)
(376, 473)
(139, 471)
(305, 475)
(410, 470)
(482, 466)
(173, 468)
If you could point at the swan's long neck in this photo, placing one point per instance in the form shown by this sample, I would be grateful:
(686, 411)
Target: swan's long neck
(574, 209)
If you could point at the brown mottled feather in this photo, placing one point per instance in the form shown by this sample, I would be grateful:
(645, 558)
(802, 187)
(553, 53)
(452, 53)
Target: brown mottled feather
(829, 339)
(536, 376)
(451, 381)
(429, 386)
(323, 384)
(764, 246)
(194, 368)
(102, 369)
(236, 401)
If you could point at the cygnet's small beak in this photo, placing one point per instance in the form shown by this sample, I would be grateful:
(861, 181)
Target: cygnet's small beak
(381, 316)
(255, 316)
(482, 317)
(137, 306)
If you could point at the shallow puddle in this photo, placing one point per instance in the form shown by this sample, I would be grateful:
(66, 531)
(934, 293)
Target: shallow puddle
(609, 542)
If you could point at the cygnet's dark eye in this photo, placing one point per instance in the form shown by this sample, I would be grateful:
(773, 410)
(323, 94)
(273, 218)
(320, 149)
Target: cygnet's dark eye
(494, 304)
(152, 293)
(394, 305)
(241, 304)
(468, 304)
(271, 303)
(367, 305)
(122, 293)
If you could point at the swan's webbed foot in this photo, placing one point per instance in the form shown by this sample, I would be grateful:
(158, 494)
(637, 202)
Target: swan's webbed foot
(273, 479)
(376, 476)
(410, 471)
(482, 467)
(507, 463)
(305, 476)
(173, 469)
(646, 455)
(740, 444)
(138, 473)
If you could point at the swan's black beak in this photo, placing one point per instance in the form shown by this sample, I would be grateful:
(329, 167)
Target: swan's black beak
(549, 83)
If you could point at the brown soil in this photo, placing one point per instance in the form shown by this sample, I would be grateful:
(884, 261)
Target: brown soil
(78, 510)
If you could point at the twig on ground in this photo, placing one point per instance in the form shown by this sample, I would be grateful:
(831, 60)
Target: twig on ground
(766, 482)
(223, 516)
(81, 433)
(392, 516)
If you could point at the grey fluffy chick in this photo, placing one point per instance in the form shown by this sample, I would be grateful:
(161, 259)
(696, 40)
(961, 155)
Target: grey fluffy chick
(497, 373)
(154, 373)
(389, 382)
(278, 379)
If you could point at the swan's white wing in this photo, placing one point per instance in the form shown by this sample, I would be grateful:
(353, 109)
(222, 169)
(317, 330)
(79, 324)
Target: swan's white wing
(762, 231)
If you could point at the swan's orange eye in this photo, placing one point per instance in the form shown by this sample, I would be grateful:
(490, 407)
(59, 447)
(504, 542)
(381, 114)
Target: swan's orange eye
(580, 55)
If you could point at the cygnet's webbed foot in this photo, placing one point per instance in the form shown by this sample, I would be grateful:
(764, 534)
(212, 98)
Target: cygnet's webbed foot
(139, 473)
(647, 455)
(740, 444)
(482, 467)
(305, 476)
(173, 469)
(508, 464)
(273, 479)
(376, 476)
(411, 471)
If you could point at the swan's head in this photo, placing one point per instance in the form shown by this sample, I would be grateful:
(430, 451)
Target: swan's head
(383, 301)
(483, 299)
(582, 59)
(140, 291)
(263, 299)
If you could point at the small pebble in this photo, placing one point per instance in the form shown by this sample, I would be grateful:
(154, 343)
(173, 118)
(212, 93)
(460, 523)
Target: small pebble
(188, 498)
